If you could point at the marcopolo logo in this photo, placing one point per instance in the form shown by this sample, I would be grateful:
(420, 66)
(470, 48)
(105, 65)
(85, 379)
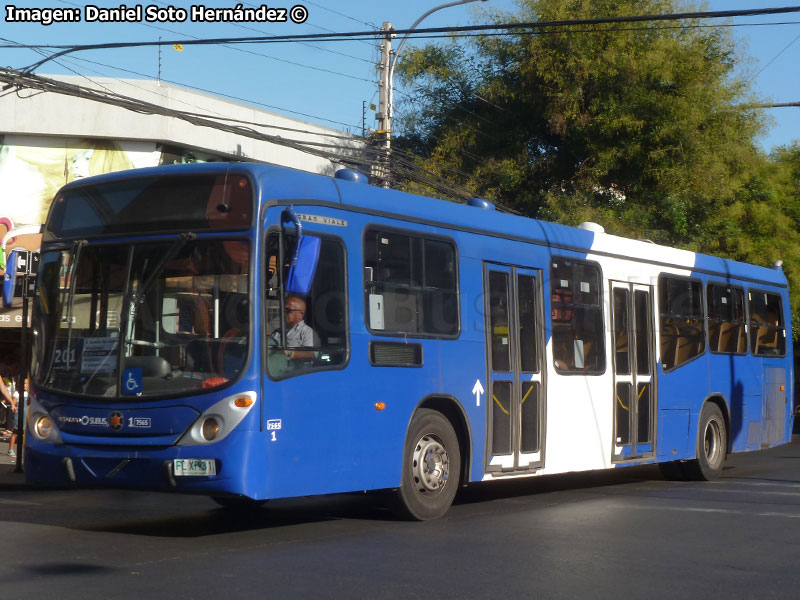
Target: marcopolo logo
(116, 421)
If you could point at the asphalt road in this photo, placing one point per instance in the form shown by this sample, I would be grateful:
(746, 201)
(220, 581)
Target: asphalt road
(622, 534)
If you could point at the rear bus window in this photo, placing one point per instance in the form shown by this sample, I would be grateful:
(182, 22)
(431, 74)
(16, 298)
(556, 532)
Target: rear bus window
(767, 333)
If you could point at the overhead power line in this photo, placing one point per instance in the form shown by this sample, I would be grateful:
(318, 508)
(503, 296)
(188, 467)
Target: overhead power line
(21, 81)
(355, 156)
(417, 32)
(199, 89)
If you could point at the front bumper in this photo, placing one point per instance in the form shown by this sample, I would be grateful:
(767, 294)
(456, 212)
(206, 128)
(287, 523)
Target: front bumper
(145, 467)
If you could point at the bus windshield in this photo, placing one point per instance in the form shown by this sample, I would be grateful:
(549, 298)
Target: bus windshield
(144, 319)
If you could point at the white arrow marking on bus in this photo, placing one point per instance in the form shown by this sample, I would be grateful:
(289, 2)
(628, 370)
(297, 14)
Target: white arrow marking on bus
(477, 389)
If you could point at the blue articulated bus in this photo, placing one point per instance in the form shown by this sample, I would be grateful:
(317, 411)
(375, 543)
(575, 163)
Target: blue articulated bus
(252, 332)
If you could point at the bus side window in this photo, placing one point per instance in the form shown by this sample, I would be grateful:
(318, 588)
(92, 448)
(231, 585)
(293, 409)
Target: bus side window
(576, 317)
(726, 319)
(682, 324)
(410, 284)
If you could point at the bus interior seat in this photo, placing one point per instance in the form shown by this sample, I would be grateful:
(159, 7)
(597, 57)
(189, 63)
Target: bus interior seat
(717, 336)
(729, 339)
(741, 345)
(202, 315)
(767, 341)
(689, 342)
(669, 342)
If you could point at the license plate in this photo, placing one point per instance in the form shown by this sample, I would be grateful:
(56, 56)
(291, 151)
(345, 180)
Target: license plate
(188, 467)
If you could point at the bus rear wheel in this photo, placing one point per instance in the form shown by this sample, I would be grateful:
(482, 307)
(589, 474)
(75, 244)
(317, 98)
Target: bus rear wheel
(712, 445)
(431, 467)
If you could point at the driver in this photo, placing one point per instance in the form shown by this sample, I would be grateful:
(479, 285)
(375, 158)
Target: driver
(298, 333)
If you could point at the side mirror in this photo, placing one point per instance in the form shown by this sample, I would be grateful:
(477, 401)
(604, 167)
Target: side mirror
(304, 265)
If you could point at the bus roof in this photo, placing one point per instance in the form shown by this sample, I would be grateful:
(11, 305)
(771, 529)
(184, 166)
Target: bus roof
(282, 184)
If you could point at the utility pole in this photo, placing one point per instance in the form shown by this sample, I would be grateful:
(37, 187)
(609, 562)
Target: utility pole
(381, 166)
(381, 171)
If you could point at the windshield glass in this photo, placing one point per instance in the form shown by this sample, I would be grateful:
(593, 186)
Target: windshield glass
(145, 319)
(150, 204)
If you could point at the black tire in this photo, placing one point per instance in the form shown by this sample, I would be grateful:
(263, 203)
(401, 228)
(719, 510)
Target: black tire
(431, 467)
(712, 445)
(241, 503)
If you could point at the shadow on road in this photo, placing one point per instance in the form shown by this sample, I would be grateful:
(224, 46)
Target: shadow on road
(183, 516)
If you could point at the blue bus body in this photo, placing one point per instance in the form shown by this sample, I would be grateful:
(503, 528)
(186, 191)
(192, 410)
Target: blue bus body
(630, 389)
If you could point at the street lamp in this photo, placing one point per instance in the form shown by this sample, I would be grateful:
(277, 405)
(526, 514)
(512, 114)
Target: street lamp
(380, 169)
(393, 59)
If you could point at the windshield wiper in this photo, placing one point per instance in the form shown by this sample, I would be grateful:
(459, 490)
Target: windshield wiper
(68, 294)
(74, 257)
(132, 306)
(176, 246)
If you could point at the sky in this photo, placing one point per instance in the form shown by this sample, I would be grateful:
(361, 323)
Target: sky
(329, 83)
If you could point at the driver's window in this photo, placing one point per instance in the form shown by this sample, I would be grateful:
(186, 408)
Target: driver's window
(314, 324)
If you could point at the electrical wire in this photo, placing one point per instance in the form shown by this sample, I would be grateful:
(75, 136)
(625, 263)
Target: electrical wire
(774, 58)
(309, 45)
(431, 30)
(230, 47)
(354, 156)
(147, 90)
(340, 14)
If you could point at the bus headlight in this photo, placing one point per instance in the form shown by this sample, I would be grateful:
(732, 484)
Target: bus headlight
(210, 428)
(43, 427)
(40, 423)
(218, 420)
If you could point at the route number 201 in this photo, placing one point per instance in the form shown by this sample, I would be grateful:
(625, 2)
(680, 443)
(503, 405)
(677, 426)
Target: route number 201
(64, 357)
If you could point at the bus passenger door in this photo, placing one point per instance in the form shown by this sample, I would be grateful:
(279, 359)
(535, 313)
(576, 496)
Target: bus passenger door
(634, 389)
(515, 391)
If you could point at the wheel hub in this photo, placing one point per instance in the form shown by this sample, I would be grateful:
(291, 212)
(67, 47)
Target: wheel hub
(712, 442)
(431, 465)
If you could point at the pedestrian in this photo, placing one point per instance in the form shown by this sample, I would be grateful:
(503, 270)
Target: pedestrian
(9, 409)
(12, 441)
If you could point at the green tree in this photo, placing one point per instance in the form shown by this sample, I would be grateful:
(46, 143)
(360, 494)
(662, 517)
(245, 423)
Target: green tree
(633, 126)
(639, 127)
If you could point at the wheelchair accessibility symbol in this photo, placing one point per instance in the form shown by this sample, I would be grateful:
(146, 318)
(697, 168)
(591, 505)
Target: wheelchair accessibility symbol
(132, 381)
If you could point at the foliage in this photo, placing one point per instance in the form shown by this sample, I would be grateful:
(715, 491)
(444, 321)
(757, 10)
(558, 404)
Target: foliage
(639, 127)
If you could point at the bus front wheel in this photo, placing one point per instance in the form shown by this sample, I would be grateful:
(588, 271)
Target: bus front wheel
(712, 445)
(431, 467)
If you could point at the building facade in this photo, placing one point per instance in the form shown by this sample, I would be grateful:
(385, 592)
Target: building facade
(50, 139)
